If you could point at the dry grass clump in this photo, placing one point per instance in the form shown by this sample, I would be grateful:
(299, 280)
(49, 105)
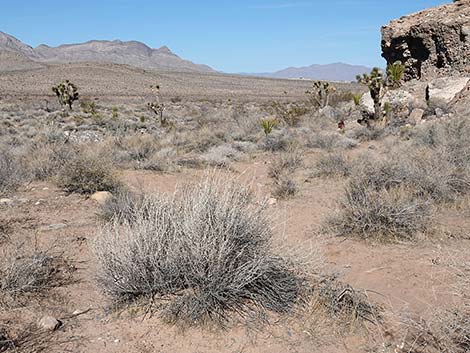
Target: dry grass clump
(122, 206)
(86, 174)
(26, 271)
(386, 214)
(285, 163)
(285, 187)
(447, 332)
(281, 171)
(278, 140)
(12, 171)
(337, 304)
(45, 160)
(27, 338)
(220, 156)
(332, 165)
(206, 250)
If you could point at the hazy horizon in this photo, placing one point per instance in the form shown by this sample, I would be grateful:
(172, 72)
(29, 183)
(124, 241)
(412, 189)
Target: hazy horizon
(246, 36)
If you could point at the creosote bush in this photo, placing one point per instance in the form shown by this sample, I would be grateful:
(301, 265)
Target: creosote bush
(86, 174)
(25, 271)
(332, 165)
(206, 250)
(12, 171)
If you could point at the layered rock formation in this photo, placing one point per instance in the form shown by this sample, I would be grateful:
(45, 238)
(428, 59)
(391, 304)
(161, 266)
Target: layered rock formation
(432, 42)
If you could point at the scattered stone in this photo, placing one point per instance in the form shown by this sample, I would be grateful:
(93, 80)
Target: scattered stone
(416, 116)
(101, 197)
(6, 201)
(53, 227)
(49, 323)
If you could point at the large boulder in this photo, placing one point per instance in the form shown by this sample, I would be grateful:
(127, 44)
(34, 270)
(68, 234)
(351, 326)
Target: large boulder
(431, 42)
(443, 91)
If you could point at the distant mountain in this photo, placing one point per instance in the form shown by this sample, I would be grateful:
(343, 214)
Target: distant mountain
(130, 53)
(329, 72)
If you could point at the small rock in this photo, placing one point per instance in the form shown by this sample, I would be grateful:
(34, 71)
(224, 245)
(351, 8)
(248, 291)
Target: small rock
(49, 323)
(53, 227)
(416, 115)
(101, 197)
(6, 201)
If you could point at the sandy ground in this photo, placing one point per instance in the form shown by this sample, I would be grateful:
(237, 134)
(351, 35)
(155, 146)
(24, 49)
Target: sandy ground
(401, 277)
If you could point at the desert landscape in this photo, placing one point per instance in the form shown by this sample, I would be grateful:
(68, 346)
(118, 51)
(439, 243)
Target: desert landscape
(151, 204)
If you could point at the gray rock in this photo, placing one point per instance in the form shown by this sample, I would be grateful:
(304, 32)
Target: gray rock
(49, 323)
(442, 91)
(416, 116)
(52, 227)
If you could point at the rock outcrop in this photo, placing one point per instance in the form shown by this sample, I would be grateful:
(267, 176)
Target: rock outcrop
(432, 42)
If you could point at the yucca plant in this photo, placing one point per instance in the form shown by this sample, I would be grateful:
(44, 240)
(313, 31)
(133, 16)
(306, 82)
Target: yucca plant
(356, 97)
(66, 92)
(395, 74)
(268, 124)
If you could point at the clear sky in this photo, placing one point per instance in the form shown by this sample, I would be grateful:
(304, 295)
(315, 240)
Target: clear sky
(232, 36)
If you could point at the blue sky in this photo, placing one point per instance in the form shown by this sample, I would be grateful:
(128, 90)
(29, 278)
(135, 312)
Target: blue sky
(232, 36)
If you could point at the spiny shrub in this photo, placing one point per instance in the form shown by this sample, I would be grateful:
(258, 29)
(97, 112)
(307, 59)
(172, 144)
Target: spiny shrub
(285, 163)
(86, 174)
(394, 214)
(27, 271)
(206, 249)
(12, 171)
(332, 165)
(285, 187)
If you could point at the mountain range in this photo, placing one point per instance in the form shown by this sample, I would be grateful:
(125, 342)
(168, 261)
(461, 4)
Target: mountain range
(16, 55)
(131, 53)
(328, 72)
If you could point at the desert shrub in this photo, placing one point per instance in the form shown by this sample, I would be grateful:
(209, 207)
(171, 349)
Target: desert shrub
(278, 140)
(12, 171)
(365, 134)
(387, 214)
(206, 249)
(161, 161)
(448, 332)
(424, 172)
(220, 156)
(45, 160)
(87, 174)
(285, 163)
(289, 113)
(322, 140)
(332, 165)
(122, 206)
(25, 270)
(285, 187)
(338, 305)
(136, 148)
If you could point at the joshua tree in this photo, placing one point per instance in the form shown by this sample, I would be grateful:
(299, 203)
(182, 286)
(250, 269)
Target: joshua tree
(376, 83)
(320, 94)
(66, 92)
(157, 106)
